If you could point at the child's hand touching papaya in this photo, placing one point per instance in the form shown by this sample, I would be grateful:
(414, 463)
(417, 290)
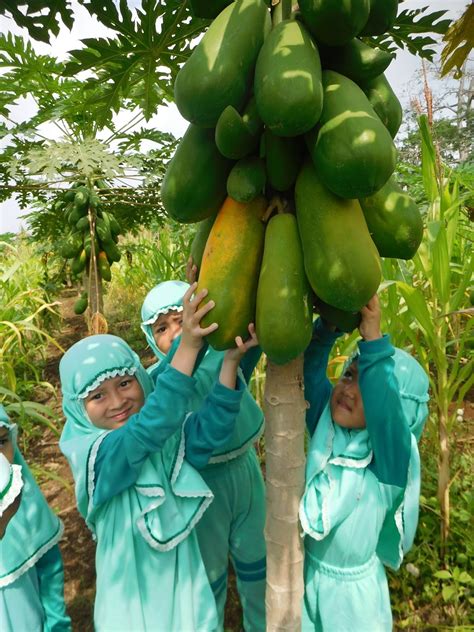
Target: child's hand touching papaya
(369, 327)
(233, 357)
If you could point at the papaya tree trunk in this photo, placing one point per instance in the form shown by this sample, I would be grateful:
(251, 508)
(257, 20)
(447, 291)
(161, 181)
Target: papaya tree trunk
(285, 408)
(93, 282)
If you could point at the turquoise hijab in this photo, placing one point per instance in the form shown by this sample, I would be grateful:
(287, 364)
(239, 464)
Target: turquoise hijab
(163, 298)
(333, 445)
(169, 497)
(34, 529)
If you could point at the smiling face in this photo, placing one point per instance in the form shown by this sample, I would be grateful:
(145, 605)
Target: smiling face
(112, 403)
(166, 328)
(347, 409)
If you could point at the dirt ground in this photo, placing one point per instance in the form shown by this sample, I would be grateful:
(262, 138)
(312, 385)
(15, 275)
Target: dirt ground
(77, 546)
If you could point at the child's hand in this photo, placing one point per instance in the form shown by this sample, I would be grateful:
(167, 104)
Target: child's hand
(191, 271)
(370, 324)
(193, 333)
(228, 374)
(241, 346)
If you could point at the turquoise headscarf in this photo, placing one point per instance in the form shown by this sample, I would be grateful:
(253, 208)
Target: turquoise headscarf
(163, 298)
(33, 530)
(169, 497)
(333, 445)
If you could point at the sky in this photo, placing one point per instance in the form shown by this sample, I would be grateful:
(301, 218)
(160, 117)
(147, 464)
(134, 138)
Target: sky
(402, 74)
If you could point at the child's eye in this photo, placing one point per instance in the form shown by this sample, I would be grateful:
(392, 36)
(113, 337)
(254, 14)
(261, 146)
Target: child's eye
(3, 442)
(95, 397)
(160, 330)
(125, 383)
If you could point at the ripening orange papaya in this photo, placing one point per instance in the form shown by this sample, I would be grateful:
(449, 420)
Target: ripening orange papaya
(230, 269)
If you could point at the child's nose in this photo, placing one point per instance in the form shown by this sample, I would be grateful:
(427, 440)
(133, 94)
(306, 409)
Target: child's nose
(116, 400)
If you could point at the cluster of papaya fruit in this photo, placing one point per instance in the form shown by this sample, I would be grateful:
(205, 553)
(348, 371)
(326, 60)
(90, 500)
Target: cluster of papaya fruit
(92, 232)
(297, 117)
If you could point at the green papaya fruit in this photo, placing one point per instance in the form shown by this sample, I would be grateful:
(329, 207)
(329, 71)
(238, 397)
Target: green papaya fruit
(75, 215)
(356, 60)
(103, 231)
(69, 195)
(112, 252)
(81, 304)
(79, 262)
(283, 158)
(212, 78)
(394, 221)
(194, 186)
(72, 245)
(287, 85)
(200, 239)
(94, 200)
(382, 16)
(333, 22)
(341, 261)
(81, 199)
(246, 180)
(83, 223)
(351, 148)
(113, 224)
(283, 313)
(385, 103)
(103, 266)
(237, 135)
(344, 321)
(208, 9)
(88, 244)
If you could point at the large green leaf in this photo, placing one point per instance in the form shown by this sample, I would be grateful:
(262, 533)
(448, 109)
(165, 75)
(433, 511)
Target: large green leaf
(141, 62)
(411, 30)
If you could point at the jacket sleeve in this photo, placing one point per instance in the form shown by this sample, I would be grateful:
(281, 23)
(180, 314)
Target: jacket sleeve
(386, 423)
(250, 361)
(317, 387)
(122, 452)
(50, 573)
(212, 425)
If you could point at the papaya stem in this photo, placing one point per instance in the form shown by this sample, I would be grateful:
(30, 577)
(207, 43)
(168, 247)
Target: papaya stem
(278, 204)
(281, 11)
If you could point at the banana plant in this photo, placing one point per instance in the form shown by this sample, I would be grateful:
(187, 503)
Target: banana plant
(427, 305)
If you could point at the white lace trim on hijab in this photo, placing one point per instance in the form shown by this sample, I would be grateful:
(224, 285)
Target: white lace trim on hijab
(163, 310)
(12, 489)
(105, 376)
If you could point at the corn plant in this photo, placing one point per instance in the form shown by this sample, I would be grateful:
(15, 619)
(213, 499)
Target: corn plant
(23, 334)
(426, 305)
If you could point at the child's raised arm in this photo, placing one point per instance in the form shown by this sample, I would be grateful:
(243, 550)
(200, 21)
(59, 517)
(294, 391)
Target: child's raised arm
(386, 422)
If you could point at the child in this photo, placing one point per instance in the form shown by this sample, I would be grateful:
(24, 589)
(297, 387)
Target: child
(31, 569)
(360, 505)
(135, 485)
(235, 521)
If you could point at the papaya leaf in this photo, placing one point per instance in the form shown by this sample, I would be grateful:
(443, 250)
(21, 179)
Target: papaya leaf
(459, 42)
(142, 60)
(39, 17)
(411, 31)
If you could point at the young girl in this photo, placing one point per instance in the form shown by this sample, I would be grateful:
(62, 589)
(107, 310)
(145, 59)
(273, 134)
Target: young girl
(31, 569)
(360, 505)
(135, 485)
(234, 523)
